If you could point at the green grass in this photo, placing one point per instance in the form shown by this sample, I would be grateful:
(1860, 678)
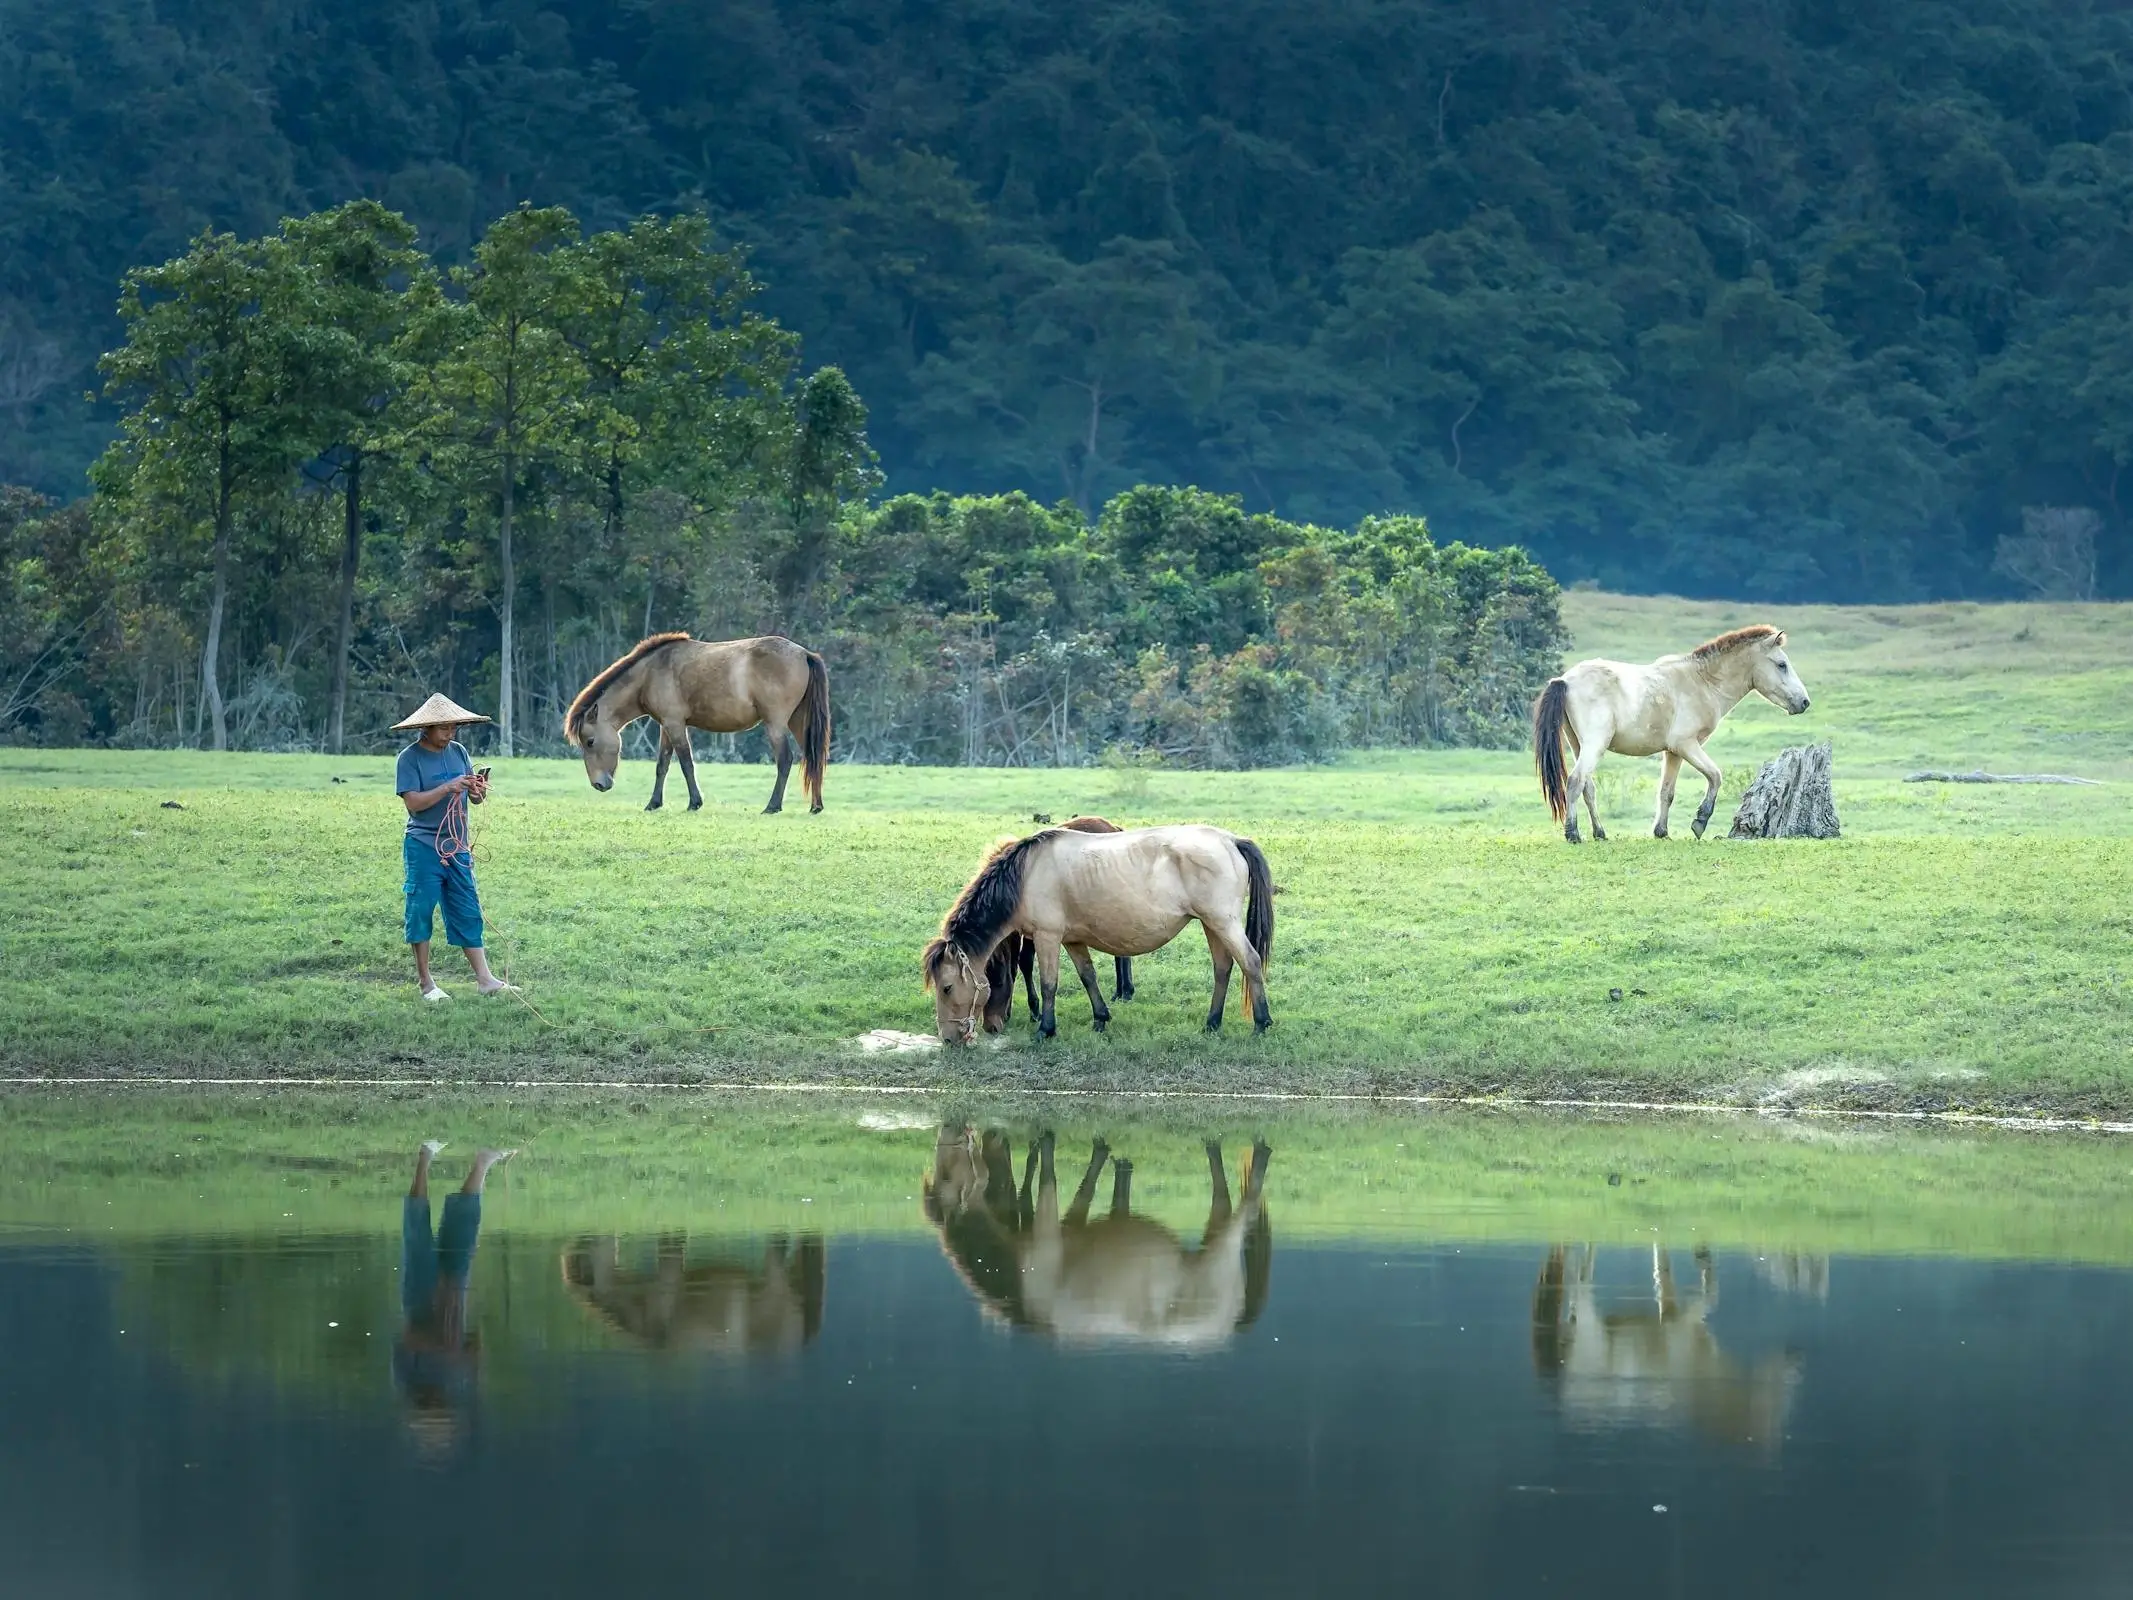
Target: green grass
(116, 1165)
(1961, 946)
(252, 1235)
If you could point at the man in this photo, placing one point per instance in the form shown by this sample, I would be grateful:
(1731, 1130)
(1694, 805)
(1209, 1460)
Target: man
(435, 1355)
(438, 782)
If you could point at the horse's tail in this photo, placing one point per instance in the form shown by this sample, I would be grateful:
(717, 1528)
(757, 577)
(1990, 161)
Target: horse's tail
(815, 738)
(1259, 909)
(1550, 714)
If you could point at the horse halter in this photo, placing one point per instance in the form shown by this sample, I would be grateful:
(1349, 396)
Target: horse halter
(968, 1025)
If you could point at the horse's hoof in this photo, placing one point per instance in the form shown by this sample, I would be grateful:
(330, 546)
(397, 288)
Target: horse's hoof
(652, 805)
(1261, 1027)
(1214, 1024)
(815, 809)
(1571, 834)
(771, 811)
(1658, 833)
(696, 805)
(1598, 832)
(1100, 1021)
(1698, 826)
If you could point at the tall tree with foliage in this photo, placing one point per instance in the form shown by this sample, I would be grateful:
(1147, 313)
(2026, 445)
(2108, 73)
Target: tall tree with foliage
(685, 379)
(219, 368)
(365, 260)
(500, 391)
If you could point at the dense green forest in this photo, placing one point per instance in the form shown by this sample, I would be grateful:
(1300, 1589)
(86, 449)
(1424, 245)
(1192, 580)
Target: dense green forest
(1779, 298)
(349, 351)
(344, 476)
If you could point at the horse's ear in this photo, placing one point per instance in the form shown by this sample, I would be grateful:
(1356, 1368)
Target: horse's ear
(930, 963)
(1779, 641)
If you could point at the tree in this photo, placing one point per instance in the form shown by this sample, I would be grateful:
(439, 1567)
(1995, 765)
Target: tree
(365, 260)
(499, 391)
(219, 366)
(684, 379)
(2054, 556)
(825, 460)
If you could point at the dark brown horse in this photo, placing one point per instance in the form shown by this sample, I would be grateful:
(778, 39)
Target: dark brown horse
(726, 687)
(1015, 951)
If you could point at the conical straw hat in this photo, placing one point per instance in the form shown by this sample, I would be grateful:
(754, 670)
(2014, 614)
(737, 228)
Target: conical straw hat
(437, 709)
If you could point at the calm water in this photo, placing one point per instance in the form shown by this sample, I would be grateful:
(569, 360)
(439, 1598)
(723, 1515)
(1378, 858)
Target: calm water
(935, 1392)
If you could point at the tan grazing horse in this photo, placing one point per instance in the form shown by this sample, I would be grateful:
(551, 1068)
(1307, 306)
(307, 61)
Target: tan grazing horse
(724, 1306)
(1118, 1278)
(727, 687)
(1016, 952)
(1657, 1364)
(1671, 705)
(1128, 893)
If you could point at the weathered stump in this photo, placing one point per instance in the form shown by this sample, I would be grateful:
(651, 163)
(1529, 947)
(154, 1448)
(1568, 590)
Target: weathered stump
(1790, 798)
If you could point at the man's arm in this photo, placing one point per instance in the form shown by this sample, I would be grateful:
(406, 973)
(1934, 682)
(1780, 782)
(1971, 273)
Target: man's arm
(423, 799)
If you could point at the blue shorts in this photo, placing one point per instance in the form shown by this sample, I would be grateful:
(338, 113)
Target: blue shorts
(447, 1259)
(431, 881)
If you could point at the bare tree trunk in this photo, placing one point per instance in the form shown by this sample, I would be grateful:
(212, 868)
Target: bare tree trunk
(1790, 798)
(555, 676)
(210, 679)
(510, 583)
(351, 553)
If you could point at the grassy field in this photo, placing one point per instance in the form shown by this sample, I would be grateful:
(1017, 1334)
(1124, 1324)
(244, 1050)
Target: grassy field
(1962, 946)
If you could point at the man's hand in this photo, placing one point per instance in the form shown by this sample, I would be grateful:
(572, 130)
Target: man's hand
(422, 799)
(477, 786)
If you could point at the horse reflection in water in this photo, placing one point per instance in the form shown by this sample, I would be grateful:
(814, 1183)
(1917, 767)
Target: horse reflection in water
(1657, 1364)
(1118, 1277)
(725, 1307)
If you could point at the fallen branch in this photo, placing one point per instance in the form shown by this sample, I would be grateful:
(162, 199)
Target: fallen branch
(1998, 777)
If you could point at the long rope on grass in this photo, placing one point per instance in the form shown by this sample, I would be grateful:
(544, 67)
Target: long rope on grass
(455, 838)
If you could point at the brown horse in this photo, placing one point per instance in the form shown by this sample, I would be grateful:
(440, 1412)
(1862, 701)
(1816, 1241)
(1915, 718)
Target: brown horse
(1015, 951)
(1117, 1278)
(722, 1305)
(1128, 893)
(726, 687)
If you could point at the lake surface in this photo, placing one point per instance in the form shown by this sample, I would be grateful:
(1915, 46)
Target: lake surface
(714, 1347)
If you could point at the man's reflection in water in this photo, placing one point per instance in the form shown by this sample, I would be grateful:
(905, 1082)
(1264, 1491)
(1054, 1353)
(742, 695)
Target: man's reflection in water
(1658, 1363)
(1119, 1277)
(434, 1357)
(730, 1308)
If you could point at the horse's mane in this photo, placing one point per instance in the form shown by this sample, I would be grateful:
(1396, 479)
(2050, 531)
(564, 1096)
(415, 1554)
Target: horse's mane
(1726, 643)
(988, 902)
(590, 694)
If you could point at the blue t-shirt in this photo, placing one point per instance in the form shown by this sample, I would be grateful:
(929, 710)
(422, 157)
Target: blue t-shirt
(423, 768)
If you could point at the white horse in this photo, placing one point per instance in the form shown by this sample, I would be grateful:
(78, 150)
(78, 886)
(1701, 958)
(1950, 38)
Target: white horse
(1659, 1364)
(1671, 706)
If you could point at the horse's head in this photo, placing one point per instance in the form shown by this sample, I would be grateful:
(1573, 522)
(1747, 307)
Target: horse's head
(601, 745)
(959, 991)
(956, 1181)
(1775, 680)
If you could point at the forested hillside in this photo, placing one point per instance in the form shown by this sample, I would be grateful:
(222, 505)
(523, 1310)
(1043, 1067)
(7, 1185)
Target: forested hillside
(1776, 298)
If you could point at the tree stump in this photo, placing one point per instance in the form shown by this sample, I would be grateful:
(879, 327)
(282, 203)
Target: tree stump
(1790, 798)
